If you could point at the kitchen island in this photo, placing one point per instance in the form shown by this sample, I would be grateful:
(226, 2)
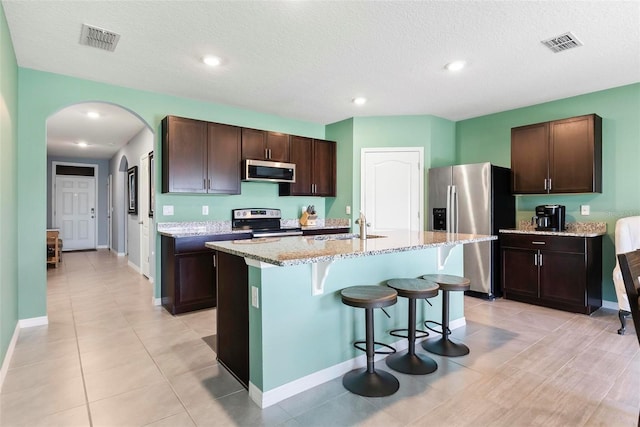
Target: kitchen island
(292, 332)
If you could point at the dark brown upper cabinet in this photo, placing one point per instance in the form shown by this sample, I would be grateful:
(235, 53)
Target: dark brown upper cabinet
(561, 156)
(315, 161)
(265, 145)
(200, 157)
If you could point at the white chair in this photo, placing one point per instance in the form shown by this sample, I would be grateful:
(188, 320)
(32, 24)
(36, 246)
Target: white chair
(627, 239)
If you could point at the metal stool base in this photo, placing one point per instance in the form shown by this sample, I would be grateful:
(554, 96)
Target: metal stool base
(445, 347)
(370, 384)
(413, 364)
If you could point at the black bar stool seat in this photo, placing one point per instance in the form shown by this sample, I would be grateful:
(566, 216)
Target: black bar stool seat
(369, 381)
(443, 345)
(408, 361)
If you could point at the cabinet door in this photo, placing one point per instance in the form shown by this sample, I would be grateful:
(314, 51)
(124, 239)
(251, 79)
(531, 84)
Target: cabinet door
(301, 155)
(278, 147)
(573, 155)
(324, 168)
(223, 159)
(184, 160)
(195, 281)
(563, 278)
(520, 272)
(254, 143)
(529, 158)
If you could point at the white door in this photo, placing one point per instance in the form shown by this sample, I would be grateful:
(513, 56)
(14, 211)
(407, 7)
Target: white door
(75, 211)
(392, 188)
(143, 215)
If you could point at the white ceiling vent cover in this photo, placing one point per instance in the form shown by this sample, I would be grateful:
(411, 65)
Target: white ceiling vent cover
(562, 42)
(98, 37)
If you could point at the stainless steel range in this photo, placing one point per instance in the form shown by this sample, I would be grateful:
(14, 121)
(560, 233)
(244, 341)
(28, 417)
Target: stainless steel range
(262, 223)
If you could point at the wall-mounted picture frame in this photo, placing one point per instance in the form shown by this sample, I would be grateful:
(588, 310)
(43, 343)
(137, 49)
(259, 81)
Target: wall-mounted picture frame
(132, 186)
(152, 185)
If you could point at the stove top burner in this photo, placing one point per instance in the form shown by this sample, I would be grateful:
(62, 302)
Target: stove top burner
(262, 222)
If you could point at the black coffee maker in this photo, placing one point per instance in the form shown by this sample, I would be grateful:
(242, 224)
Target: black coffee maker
(549, 218)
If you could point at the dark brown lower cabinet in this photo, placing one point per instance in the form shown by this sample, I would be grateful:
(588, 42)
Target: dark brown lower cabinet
(561, 272)
(188, 274)
(233, 315)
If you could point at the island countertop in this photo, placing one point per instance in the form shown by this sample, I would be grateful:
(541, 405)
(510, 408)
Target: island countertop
(295, 250)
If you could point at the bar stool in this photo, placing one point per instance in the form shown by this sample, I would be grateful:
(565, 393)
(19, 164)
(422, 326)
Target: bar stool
(409, 362)
(367, 381)
(443, 345)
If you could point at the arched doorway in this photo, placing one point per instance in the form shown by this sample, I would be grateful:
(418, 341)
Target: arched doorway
(113, 139)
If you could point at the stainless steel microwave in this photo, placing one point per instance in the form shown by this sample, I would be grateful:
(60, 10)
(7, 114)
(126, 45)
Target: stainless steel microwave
(264, 170)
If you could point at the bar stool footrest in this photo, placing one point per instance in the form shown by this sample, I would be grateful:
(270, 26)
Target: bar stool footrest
(391, 350)
(439, 332)
(419, 333)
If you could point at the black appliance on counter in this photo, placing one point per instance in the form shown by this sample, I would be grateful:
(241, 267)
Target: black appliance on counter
(262, 223)
(549, 218)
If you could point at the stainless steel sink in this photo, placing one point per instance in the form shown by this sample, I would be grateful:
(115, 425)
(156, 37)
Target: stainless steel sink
(345, 236)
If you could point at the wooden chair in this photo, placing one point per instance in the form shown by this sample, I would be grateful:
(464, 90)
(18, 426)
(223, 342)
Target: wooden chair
(54, 247)
(630, 267)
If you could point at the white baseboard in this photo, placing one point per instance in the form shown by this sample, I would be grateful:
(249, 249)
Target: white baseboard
(278, 394)
(613, 305)
(34, 321)
(156, 301)
(135, 267)
(9, 354)
(102, 247)
(120, 253)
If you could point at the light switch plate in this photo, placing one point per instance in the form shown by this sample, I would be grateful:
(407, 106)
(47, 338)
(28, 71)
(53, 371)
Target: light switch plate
(205, 210)
(167, 210)
(348, 210)
(254, 297)
(585, 209)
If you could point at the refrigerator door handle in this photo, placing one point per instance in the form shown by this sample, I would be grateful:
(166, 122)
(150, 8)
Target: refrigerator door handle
(455, 208)
(448, 213)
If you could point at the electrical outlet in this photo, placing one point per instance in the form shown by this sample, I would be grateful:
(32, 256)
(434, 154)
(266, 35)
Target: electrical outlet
(585, 209)
(167, 210)
(348, 210)
(254, 297)
(205, 210)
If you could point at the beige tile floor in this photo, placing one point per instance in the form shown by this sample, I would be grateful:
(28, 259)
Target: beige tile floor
(110, 358)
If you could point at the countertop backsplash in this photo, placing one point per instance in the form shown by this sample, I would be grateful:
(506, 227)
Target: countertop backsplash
(580, 229)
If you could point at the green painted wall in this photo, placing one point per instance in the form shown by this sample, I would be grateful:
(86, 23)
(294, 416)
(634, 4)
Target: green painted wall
(342, 132)
(42, 94)
(8, 189)
(488, 138)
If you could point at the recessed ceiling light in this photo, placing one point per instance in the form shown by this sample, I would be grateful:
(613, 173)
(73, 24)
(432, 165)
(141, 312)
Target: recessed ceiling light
(93, 115)
(359, 100)
(82, 144)
(212, 61)
(455, 65)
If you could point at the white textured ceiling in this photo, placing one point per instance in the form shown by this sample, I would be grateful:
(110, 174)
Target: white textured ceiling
(307, 59)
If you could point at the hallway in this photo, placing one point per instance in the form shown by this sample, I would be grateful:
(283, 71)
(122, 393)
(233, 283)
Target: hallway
(110, 358)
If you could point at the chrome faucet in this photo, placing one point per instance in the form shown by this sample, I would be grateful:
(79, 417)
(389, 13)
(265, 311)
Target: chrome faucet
(362, 221)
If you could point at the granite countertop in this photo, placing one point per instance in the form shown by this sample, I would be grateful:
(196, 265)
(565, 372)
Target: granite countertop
(294, 250)
(210, 228)
(574, 229)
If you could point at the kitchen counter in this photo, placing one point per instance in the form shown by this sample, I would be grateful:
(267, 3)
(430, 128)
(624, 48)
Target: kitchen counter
(223, 231)
(281, 325)
(574, 229)
(295, 250)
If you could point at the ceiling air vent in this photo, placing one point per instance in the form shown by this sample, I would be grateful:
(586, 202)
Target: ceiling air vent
(562, 42)
(98, 37)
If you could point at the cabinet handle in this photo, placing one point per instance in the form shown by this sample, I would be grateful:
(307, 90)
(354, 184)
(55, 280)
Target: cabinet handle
(545, 184)
(214, 261)
(549, 184)
(209, 184)
(535, 259)
(535, 242)
(540, 263)
(204, 183)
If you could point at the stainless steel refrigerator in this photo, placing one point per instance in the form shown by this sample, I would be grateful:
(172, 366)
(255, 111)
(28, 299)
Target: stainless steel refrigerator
(474, 198)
